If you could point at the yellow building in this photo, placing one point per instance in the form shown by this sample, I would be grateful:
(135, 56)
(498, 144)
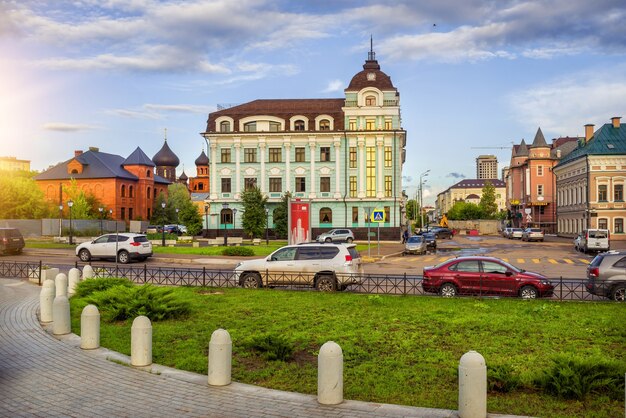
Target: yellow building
(13, 164)
(469, 190)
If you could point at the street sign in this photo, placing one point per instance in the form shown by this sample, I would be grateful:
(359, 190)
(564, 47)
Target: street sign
(529, 218)
(527, 211)
(378, 215)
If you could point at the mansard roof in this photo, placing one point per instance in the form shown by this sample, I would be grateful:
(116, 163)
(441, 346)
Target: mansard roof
(607, 140)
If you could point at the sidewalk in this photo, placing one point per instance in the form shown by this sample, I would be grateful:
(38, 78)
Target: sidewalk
(41, 375)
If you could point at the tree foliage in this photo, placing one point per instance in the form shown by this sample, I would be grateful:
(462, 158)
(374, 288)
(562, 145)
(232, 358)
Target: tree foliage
(84, 205)
(412, 209)
(254, 218)
(188, 215)
(488, 203)
(281, 217)
(20, 197)
(465, 211)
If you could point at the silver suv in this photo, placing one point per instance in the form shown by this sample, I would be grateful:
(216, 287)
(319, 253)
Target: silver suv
(336, 235)
(326, 267)
(124, 246)
(606, 275)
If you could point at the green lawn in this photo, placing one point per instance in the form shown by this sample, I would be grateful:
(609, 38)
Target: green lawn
(399, 350)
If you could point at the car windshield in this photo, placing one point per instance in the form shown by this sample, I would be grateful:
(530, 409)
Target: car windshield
(416, 239)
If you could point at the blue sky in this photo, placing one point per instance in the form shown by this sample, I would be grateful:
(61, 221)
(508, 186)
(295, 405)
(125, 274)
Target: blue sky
(115, 73)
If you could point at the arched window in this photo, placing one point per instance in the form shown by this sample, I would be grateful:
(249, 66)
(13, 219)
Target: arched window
(249, 127)
(130, 191)
(324, 125)
(370, 101)
(298, 125)
(148, 193)
(148, 173)
(225, 126)
(74, 171)
(123, 190)
(200, 186)
(155, 193)
(326, 216)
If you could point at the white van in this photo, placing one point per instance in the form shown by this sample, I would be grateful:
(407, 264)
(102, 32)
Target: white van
(595, 240)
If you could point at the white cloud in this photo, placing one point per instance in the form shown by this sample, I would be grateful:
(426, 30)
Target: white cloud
(333, 86)
(134, 114)
(67, 127)
(562, 107)
(181, 108)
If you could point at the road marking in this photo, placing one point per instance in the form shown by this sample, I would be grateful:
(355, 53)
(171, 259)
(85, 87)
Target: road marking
(553, 261)
(443, 258)
(568, 261)
(536, 260)
(431, 258)
(521, 260)
(505, 259)
(584, 261)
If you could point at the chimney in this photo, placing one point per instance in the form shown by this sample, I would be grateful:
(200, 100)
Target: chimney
(615, 120)
(77, 153)
(588, 131)
(94, 149)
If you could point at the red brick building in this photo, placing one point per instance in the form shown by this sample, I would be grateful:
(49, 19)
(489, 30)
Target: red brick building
(128, 186)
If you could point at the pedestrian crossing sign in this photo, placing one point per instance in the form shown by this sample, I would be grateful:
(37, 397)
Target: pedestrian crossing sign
(378, 215)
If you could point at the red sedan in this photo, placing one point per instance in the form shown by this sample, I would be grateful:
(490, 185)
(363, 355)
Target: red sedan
(484, 276)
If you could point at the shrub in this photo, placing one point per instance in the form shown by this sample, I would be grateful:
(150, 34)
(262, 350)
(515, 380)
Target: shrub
(157, 303)
(89, 286)
(575, 378)
(159, 236)
(273, 347)
(501, 378)
(238, 251)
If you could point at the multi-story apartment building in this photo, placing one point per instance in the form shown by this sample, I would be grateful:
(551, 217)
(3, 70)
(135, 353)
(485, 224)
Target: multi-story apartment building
(469, 190)
(13, 164)
(342, 155)
(590, 182)
(530, 183)
(487, 167)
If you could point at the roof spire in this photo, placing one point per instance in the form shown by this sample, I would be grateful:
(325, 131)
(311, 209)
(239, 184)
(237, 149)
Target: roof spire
(371, 56)
(165, 134)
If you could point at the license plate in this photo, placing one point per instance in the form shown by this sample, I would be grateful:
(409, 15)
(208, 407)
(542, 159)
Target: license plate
(145, 245)
(597, 244)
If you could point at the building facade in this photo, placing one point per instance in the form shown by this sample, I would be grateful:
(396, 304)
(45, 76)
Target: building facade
(127, 186)
(469, 190)
(342, 155)
(13, 164)
(590, 182)
(487, 167)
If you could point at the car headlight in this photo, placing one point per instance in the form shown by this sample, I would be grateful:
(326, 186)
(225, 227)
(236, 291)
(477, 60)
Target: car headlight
(546, 282)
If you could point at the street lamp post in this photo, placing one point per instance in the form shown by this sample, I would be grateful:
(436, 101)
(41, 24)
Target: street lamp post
(234, 220)
(206, 219)
(60, 220)
(224, 208)
(163, 230)
(101, 209)
(70, 204)
(368, 212)
(267, 226)
(424, 174)
(177, 228)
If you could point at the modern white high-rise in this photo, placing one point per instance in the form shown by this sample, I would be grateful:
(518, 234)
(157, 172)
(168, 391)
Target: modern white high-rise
(487, 167)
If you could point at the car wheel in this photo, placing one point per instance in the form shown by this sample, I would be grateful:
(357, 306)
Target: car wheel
(448, 290)
(528, 292)
(123, 257)
(328, 240)
(349, 240)
(619, 293)
(84, 255)
(250, 281)
(325, 284)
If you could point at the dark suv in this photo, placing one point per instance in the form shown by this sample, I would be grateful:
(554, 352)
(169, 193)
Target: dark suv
(441, 232)
(606, 275)
(11, 241)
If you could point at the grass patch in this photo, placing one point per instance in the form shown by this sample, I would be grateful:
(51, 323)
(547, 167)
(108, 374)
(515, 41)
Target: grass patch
(400, 350)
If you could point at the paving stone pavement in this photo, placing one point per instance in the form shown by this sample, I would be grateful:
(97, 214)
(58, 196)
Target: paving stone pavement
(46, 376)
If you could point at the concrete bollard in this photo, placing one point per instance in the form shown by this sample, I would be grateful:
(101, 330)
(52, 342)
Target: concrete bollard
(472, 386)
(141, 342)
(46, 298)
(220, 358)
(72, 280)
(87, 272)
(90, 328)
(60, 284)
(61, 321)
(330, 374)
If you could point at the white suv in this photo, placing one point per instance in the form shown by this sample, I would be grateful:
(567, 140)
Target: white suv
(126, 246)
(326, 267)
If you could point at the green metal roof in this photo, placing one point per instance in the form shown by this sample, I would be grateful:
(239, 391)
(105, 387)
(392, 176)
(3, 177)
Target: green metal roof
(607, 140)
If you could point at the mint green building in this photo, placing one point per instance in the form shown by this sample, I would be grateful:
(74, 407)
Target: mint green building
(342, 155)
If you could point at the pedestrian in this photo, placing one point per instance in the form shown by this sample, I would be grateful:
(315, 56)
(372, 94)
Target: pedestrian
(405, 236)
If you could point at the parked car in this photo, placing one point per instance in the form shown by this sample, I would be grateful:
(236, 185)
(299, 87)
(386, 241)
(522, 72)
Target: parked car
(11, 241)
(606, 275)
(594, 240)
(416, 244)
(431, 241)
(124, 246)
(516, 233)
(336, 235)
(175, 229)
(484, 275)
(441, 232)
(532, 234)
(326, 267)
